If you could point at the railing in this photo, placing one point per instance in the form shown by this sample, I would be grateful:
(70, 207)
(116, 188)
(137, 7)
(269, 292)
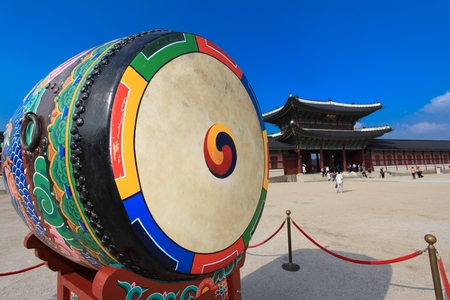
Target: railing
(437, 266)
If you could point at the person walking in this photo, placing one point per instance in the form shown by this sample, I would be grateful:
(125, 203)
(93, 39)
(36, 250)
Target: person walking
(419, 172)
(413, 172)
(339, 183)
(362, 170)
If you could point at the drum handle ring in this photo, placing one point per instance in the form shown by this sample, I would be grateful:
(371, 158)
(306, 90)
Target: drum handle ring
(35, 135)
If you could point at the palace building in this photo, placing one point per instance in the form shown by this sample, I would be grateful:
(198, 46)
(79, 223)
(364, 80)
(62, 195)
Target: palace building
(317, 134)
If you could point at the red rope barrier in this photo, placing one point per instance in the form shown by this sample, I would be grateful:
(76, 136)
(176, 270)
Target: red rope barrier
(444, 277)
(270, 237)
(21, 271)
(357, 261)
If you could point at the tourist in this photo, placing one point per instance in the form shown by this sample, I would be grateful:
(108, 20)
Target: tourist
(413, 173)
(419, 172)
(322, 171)
(339, 183)
(304, 169)
(362, 170)
(369, 171)
(328, 176)
(381, 173)
(363, 173)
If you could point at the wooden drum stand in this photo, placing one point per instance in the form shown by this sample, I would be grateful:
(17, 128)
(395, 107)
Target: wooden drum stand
(78, 282)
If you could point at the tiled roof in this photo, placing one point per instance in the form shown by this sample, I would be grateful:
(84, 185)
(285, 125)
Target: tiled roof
(332, 106)
(366, 133)
(422, 145)
(345, 134)
(327, 106)
(274, 144)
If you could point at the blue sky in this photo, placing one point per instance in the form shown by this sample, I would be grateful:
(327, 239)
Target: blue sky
(393, 52)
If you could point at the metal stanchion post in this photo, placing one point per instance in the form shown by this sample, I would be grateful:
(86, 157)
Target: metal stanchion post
(290, 266)
(431, 239)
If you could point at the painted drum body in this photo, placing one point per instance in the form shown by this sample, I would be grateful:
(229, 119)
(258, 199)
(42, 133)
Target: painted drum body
(147, 152)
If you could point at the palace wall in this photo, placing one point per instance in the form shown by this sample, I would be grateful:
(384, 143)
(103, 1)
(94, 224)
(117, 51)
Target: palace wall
(400, 162)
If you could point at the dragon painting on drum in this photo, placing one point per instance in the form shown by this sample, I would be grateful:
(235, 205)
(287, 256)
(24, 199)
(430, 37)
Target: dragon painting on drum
(147, 152)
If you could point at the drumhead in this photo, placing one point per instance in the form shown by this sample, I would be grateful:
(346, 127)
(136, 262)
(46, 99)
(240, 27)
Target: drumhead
(194, 173)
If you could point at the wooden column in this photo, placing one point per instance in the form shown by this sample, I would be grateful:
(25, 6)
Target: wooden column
(344, 158)
(433, 159)
(321, 158)
(308, 163)
(405, 161)
(424, 161)
(300, 160)
(329, 160)
(363, 159)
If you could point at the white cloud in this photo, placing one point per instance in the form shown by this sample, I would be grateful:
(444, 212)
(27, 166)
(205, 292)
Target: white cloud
(425, 127)
(438, 104)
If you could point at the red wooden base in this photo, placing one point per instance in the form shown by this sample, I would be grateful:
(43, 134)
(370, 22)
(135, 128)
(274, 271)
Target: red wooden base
(116, 283)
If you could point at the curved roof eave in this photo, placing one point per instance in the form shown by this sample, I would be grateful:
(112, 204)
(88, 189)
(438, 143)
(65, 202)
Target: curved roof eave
(331, 106)
(274, 144)
(327, 106)
(278, 112)
(345, 134)
(365, 133)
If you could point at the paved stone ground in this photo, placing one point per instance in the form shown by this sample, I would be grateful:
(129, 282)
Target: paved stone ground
(373, 220)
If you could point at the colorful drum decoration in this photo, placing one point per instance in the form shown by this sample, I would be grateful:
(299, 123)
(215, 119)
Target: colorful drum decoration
(147, 152)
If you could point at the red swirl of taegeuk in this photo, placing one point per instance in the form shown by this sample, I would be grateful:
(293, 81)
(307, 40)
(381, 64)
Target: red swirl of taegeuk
(220, 152)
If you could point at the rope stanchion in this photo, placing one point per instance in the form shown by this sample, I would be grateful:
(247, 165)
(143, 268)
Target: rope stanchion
(357, 261)
(269, 238)
(431, 240)
(22, 270)
(444, 277)
(290, 266)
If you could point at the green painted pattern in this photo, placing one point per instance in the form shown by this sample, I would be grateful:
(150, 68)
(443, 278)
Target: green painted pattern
(34, 101)
(61, 169)
(247, 235)
(161, 42)
(88, 237)
(31, 106)
(168, 51)
(135, 292)
(65, 96)
(47, 204)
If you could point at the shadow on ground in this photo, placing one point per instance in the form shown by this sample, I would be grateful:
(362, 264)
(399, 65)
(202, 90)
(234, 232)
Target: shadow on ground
(321, 276)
